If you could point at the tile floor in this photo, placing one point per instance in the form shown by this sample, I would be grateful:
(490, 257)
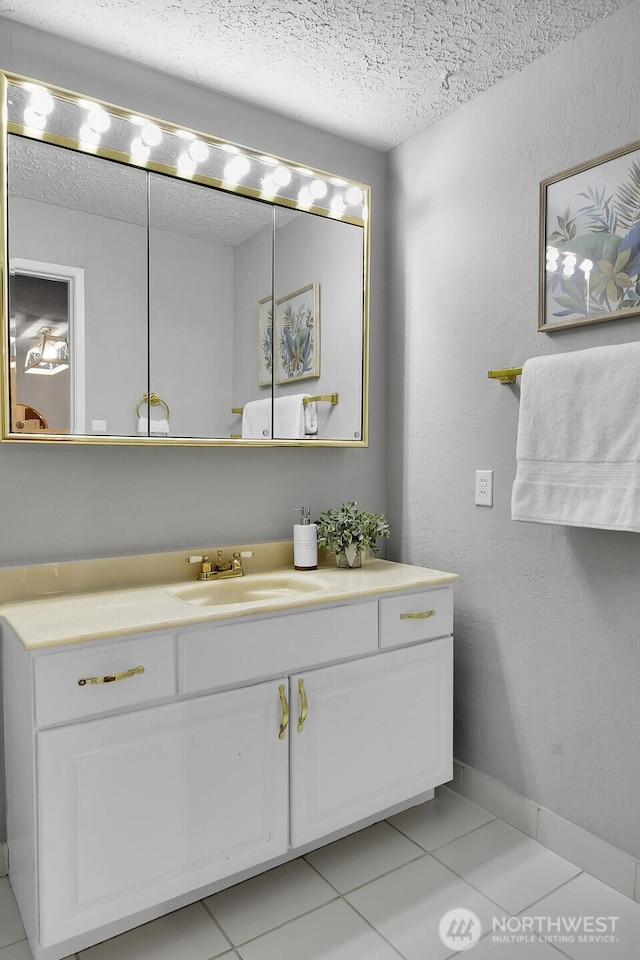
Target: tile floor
(380, 895)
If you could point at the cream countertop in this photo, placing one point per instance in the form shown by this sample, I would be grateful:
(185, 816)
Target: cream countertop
(85, 612)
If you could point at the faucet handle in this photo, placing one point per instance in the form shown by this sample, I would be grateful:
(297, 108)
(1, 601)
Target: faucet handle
(243, 553)
(195, 559)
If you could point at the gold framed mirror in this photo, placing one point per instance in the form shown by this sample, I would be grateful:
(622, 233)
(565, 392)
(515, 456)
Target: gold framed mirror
(164, 286)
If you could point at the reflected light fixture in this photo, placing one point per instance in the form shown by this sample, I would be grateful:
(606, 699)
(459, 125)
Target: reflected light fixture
(50, 355)
(236, 169)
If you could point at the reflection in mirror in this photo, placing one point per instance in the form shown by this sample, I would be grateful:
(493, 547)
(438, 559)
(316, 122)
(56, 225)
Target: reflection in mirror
(164, 284)
(319, 326)
(81, 223)
(210, 258)
(46, 317)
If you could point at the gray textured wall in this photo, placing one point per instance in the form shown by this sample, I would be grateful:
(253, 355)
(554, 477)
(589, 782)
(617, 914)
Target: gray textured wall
(126, 500)
(547, 651)
(112, 500)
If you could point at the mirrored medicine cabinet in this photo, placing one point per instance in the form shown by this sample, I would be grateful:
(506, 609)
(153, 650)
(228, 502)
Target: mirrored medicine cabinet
(158, 281)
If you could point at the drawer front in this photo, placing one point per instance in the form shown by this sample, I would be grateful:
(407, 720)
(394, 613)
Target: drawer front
(60, 697)
(225, 654)
(416, 616)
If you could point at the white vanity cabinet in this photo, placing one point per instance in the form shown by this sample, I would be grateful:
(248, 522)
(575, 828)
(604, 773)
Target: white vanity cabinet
(241, 744)
(141, 807)
(376, 732)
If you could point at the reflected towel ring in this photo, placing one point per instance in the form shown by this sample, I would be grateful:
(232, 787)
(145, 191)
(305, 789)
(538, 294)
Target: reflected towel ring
(153, 400)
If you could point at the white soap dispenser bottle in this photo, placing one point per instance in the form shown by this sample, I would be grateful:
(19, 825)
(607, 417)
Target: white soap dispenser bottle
(305, 542)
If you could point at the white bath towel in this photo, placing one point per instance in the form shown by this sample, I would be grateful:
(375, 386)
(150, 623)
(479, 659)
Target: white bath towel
(293, 419)
(256, 420)
(310, 419)
(578, 446)
(159, 428)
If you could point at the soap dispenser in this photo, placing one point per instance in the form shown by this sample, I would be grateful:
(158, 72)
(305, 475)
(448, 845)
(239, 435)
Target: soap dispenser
(305, 542)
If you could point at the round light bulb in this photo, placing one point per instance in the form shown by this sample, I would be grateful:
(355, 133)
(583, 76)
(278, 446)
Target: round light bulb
(281, 176)
(269, 186)
(151, 134)
(198, 151)
(186, 166)
(338, 206)
(89, 135)
(236, 169)
(318, 189)
(34, 119)
(353, 196)
(99, 120)
(139, 150)
(42, 101)
(304, 197)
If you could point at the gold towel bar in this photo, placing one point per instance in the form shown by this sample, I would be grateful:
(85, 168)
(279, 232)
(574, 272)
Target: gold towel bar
(153, 399)
(507, 375)
(323, 398)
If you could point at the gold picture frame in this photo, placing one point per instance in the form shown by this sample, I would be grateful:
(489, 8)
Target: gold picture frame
(589, 267)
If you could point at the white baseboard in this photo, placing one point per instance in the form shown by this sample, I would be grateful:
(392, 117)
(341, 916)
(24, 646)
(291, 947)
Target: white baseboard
(614, 867)
(4, 859)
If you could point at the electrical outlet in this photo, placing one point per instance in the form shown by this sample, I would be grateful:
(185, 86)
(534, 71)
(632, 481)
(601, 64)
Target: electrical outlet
(484, 488)
(99, 426)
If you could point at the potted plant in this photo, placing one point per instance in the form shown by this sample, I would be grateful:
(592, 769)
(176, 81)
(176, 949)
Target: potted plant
(351, 533)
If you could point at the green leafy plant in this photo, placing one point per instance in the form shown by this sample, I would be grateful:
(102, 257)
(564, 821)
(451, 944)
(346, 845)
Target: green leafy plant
(349, 530)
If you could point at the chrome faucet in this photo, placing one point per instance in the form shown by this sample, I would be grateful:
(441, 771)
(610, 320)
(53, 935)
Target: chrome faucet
(222, 569)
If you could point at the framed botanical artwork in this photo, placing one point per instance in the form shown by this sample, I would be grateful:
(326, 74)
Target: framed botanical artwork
(297, 335)
(590, 242)
(265, 341)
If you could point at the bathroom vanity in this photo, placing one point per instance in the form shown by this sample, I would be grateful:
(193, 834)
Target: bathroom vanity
(161, 748)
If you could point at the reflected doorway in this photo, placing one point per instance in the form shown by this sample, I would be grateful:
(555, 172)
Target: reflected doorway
(46, 311)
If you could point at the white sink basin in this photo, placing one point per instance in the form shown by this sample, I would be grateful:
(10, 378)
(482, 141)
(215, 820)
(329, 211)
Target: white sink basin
(251, 588)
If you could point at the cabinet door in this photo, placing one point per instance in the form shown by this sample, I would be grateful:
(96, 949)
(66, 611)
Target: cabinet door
(135, 809)
(378, 731)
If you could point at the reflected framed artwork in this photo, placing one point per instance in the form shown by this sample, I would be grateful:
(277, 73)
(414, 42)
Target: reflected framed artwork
(265, 341)
(297, 335)
(589, 267)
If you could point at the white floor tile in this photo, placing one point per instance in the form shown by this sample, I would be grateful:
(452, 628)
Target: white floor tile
(407, 905)
(21, 951)
(506, 866)
(334, 932)
(187, 934)
(587, 897)
(489, 949)
(440, 820)
(11, 929)
(17, 951)
(264, 902)
(363, 856)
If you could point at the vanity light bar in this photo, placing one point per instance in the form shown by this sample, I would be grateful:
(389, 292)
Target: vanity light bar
(59, 117)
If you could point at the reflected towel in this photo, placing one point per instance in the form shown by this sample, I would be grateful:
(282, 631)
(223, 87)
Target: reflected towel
(310, 418)
(256, 420)
(159, 428)
(293, 419)
(578, 448)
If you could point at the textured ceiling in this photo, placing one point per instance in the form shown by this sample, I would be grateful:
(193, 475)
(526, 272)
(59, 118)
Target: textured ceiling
(375, 71)
(79, 181)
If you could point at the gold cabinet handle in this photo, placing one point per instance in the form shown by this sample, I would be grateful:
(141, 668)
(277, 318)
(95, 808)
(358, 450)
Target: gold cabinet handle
(418, 616)
(304, 705)
(111, 677)
(285, 712)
